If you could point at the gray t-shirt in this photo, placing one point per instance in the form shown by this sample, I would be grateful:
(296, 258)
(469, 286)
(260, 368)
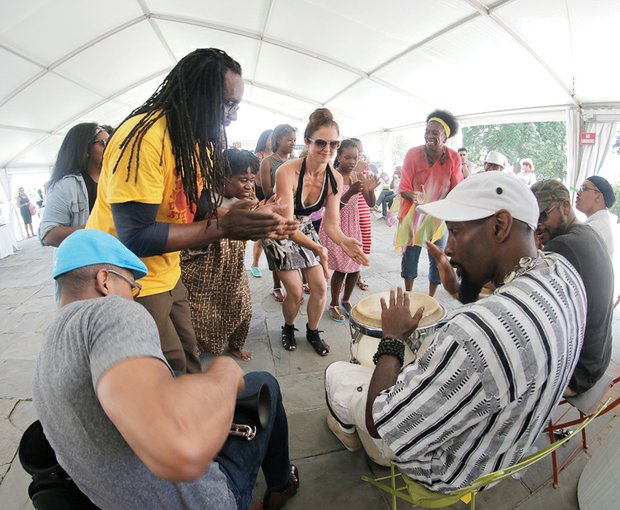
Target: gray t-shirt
(86, 339)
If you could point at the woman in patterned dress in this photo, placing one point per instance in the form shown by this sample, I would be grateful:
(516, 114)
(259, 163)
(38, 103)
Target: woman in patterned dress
(364, 208)
(345, 270)
(215, 277)
(429, 172)
(303, 186)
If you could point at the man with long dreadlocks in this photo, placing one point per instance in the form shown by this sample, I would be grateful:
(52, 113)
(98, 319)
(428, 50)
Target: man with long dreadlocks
(161, 183)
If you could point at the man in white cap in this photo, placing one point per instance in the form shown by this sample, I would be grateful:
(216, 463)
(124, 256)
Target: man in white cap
(479, 396)
(128, 432)
(494, 161)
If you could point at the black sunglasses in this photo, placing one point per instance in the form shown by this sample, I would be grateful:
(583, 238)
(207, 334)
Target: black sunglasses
(545, 214)
(321, 144)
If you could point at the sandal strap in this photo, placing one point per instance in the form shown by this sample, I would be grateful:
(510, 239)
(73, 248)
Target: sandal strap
(337, 312)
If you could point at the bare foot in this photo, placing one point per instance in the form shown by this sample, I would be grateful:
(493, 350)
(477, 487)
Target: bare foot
(242, 355)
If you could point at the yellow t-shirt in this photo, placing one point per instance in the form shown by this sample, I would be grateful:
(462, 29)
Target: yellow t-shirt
(155, 181)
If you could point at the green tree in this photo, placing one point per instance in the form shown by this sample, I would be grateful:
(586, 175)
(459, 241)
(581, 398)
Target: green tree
(399, 149)
(543, 142)
(616, 207)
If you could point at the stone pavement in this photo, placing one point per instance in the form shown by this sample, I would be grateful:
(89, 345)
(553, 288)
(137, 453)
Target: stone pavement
(330, 476)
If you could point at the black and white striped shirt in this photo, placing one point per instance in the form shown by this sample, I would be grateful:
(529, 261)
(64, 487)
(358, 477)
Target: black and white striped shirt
(479, 397)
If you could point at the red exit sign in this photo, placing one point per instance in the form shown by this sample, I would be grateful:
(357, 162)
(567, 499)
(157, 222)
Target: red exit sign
(588, 138)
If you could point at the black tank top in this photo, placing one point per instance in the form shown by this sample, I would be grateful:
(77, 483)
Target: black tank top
(300, 209)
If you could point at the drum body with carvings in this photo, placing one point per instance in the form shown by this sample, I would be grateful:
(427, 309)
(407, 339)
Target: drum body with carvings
(366, 332)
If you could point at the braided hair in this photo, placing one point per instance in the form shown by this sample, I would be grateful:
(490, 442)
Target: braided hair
(190, 98)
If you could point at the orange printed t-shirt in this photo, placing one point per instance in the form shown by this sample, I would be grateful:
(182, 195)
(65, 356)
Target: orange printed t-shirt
(155, 181)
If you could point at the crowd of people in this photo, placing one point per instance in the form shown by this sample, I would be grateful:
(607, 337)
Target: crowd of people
(159, 210)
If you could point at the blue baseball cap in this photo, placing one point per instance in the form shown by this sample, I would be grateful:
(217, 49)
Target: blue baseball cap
(88, 247)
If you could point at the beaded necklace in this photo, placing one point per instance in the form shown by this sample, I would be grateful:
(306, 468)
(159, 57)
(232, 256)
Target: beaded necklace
(525, 264)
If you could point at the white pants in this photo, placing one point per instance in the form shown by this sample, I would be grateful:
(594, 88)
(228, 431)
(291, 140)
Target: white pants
(346, 386)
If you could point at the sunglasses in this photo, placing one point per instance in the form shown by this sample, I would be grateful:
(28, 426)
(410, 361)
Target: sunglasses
(545, 214)
(230, 106)
(585, 188)
(321, 144)
(135, 286)
(102, 142)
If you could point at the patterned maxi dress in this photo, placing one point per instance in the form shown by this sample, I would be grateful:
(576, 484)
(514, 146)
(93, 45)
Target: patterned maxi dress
(219, 295)
(337, 259)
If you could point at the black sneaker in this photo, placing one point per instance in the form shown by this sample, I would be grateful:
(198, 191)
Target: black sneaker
(288, 337)
(317, 343)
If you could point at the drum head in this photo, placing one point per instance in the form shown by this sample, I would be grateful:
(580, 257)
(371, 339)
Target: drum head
(368, 310)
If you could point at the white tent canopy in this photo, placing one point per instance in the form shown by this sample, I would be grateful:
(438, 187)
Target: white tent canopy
(380, 66)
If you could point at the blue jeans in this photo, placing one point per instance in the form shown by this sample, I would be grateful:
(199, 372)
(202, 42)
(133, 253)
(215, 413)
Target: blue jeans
(386, 197)
(411, 257)
(240, 459)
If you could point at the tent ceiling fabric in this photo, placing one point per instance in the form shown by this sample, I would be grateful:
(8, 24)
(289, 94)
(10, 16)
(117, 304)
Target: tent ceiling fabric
(378, 65)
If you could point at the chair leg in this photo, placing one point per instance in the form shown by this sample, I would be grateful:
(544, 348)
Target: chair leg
(472, 504)
(584, 439)
(554, 460)
(393, 486)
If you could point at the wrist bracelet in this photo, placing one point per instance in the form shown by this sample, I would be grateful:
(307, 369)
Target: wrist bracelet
(390, 346)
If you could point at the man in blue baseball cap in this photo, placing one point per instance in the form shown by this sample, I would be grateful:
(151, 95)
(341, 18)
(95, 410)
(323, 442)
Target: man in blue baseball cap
(128, 432)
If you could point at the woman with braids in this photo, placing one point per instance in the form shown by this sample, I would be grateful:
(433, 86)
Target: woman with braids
(162, 178)
(72, 188)
(303, 186)
(429, 172)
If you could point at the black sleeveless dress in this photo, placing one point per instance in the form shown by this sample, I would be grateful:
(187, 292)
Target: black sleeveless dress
(288, 255)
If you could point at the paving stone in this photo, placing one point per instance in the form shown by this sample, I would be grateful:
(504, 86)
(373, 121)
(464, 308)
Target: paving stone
(16, 378)
(332, 481)
(23, 414)
(14, 488)
(309, 436)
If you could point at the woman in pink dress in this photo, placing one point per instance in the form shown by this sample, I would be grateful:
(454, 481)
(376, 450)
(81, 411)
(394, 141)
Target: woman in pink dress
(364, 207)
(345, 269)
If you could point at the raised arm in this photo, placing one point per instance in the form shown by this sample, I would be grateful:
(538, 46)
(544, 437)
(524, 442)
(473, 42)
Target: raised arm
(397, 323)
(176, 426)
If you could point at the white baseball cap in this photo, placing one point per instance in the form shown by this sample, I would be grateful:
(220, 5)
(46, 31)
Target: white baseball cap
(482, 195)
(496, 158)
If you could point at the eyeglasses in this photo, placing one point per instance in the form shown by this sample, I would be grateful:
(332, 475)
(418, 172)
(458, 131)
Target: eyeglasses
(102, 142)
(135, 286)
(545, 214)
(584, 188)
(230, 106)
(321, 144)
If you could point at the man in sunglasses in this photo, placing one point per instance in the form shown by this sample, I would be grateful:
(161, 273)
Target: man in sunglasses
(128, 432)
(559, 231)
(594, 198)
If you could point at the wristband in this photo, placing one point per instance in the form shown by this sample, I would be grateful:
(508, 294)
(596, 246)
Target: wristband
(390, 346)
